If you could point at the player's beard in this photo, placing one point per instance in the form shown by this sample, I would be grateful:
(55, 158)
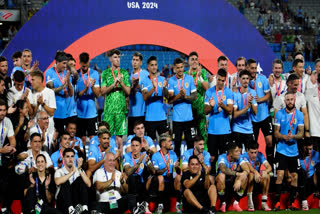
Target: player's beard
(289, 108)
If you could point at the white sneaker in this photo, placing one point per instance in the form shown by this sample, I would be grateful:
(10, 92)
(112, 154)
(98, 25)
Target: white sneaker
(159, 209)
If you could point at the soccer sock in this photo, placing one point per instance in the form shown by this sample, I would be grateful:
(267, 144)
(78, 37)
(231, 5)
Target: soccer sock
(293, 193)
(238, 196)
(178, 196)
(222, 196)
(264, 199)
(278, 192)
(161, 196)
(250, 198)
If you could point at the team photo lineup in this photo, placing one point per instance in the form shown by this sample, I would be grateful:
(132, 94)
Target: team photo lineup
(189, 135)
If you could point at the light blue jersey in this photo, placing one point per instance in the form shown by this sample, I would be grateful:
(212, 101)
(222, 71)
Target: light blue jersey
(160, 164)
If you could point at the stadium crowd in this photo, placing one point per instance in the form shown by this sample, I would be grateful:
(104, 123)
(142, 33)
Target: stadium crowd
(47, 118)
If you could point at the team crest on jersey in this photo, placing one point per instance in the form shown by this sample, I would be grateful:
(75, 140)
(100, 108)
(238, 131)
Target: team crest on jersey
(171, 161)
(186, 84)
(90, 153)
(48, 78)
(294, 121)
(160, 84)
(183, 157)
(141, 165)
(312, 163)
(224, 97)
(259, 84)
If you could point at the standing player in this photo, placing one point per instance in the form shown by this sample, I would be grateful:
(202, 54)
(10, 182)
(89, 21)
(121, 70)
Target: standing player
(115, 87)
(289, 128)
(136, 102)
(4, 71)
(201, 82)
(313, 103)
(154, 91)
(277, 81)
(222, 64)
(231, 169)
(58, 79)
(88, 89)
(255, 159)
(182, 92)
(218, 104)
(243, 107)
(241, 64)
(262, 120)
(298, 69)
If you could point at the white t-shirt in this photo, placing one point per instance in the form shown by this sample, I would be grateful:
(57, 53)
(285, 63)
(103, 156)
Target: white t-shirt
(313, 104)
(62, 172)
(30, 161)
(14, 95)
(48, 139)
(282, 89)
(100, 175)
(303, 85)
(49, 99)
(6, 130)
(300, 103)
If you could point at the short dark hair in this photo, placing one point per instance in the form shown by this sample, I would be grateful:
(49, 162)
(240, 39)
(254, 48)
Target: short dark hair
(104, 123)
(41, 155)
(84, 57)
(178, 61)
(2, 102)
(137, 122)
(193, 53)
(68, 150)
(231, 147)
(37, 73)
(151, 58)
(70, 57)
(297, 53)
(3, 59)
(277, 61)
(241, 58)
(250, 61)
(296, 62)
(253, 146)
(138, 55)
(102, 132)
(61, 56)
(244, 72)
(136, 139)
(17, 54)
(18, 76)
(71, 122)
(36, 134)
(292, 77)
(308, 142)
(222, 58)
(113, 51)
(222, 72)
(198, 138)
(64, 133)
(193, 157)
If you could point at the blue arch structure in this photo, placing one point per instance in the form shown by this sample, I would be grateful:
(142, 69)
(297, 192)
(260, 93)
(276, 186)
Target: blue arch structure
(210, 27)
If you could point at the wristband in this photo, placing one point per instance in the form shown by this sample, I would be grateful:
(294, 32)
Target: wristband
(43, 104)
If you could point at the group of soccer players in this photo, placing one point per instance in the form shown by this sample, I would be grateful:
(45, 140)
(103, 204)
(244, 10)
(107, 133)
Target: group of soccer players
(134, 157)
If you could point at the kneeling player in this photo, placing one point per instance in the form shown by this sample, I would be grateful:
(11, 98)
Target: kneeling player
(163, 161)
(255, 159)
(196, 188)
(231, 168)
(309, 174)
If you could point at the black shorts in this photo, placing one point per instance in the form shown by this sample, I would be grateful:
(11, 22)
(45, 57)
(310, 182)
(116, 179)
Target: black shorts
(131, 121)
(87, 127)
(316, 143)
(265, 126)
(156, 126)
(60, 125)
(242, 139)
(72, 119)
(218, 144)
(284, 162)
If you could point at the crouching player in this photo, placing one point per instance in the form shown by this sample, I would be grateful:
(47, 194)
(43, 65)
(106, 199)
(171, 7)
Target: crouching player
(254, 160)
(198, 193)
(163, 161)
(232, 169)
(309, 173)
